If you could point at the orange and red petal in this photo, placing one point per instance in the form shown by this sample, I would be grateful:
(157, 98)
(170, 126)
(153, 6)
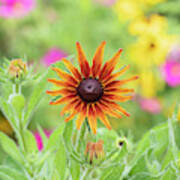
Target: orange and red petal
(60, 83)
(83, 63)
(81, 116)
(115, 84)
(92, 118)
(63, 91)
(114, 76)
(118, 91)
(65, 76)
(63, 100)
(109, 65)
(72, 69)
(98, 59)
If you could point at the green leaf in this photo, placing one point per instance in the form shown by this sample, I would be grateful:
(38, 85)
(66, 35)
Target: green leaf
(54, 139)
(4, 176)
(35, 98)
(10, 148)
(67, 134)
(30, 141)
(8, 113)
(60, 159)
(12, 173)
(75, 170)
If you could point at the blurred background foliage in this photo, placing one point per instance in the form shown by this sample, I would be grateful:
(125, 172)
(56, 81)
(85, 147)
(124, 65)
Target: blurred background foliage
(147, 30)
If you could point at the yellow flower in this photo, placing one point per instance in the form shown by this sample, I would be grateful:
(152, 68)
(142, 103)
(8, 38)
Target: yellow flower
(92, 92)
(149, 84)
(148, 25)
(127, 9)
(150, 50)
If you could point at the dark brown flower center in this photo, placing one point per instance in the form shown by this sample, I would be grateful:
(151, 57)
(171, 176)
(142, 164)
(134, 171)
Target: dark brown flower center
(90, 90)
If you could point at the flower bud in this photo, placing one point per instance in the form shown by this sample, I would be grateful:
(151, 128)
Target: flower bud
(17, 68)
(94, 150)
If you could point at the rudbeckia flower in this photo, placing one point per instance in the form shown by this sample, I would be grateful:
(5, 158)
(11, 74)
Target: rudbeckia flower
(92, 92)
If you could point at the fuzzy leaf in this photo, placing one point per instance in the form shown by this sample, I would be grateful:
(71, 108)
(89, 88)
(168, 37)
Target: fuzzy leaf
(12, 173)
(60, 159)
(10, 147)
(54, 139)
(35, 98)
(8, 112)
(30, 141)
(75, 170)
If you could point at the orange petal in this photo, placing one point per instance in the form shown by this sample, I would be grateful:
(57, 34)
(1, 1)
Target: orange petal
(65, 76)
(62, 100)
(72, 69)
(97, 60)
(81, 116)
(61, 92)
(116, 106)
(102, 117)
(70, 105)
(115, 84)
(109, 111)
(84, 65)
(117, 90)
(114, 76)
(115, 97)
(62, 83)
(92, 119)
(109, 65)
(71, 116)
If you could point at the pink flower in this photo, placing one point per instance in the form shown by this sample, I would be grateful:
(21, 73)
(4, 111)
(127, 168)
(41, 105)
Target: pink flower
(106, 2)
(16, 8)
(53, 55)
(152, 106)
(171, 73)
(39, 139)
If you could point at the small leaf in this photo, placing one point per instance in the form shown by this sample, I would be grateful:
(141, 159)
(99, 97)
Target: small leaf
(4, 176)
(10, 147)
(75, 170)
(30, 141)
(12, 173)
(55, 138)
(60, 159)
(8, 112)
(35, 98)
(67, 134)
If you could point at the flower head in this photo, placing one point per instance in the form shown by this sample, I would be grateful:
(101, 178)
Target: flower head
(17, 68)
(53, 55)
(94, 91)
(15, 8)
(153, 24)
(94, 150)
(171, 72)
